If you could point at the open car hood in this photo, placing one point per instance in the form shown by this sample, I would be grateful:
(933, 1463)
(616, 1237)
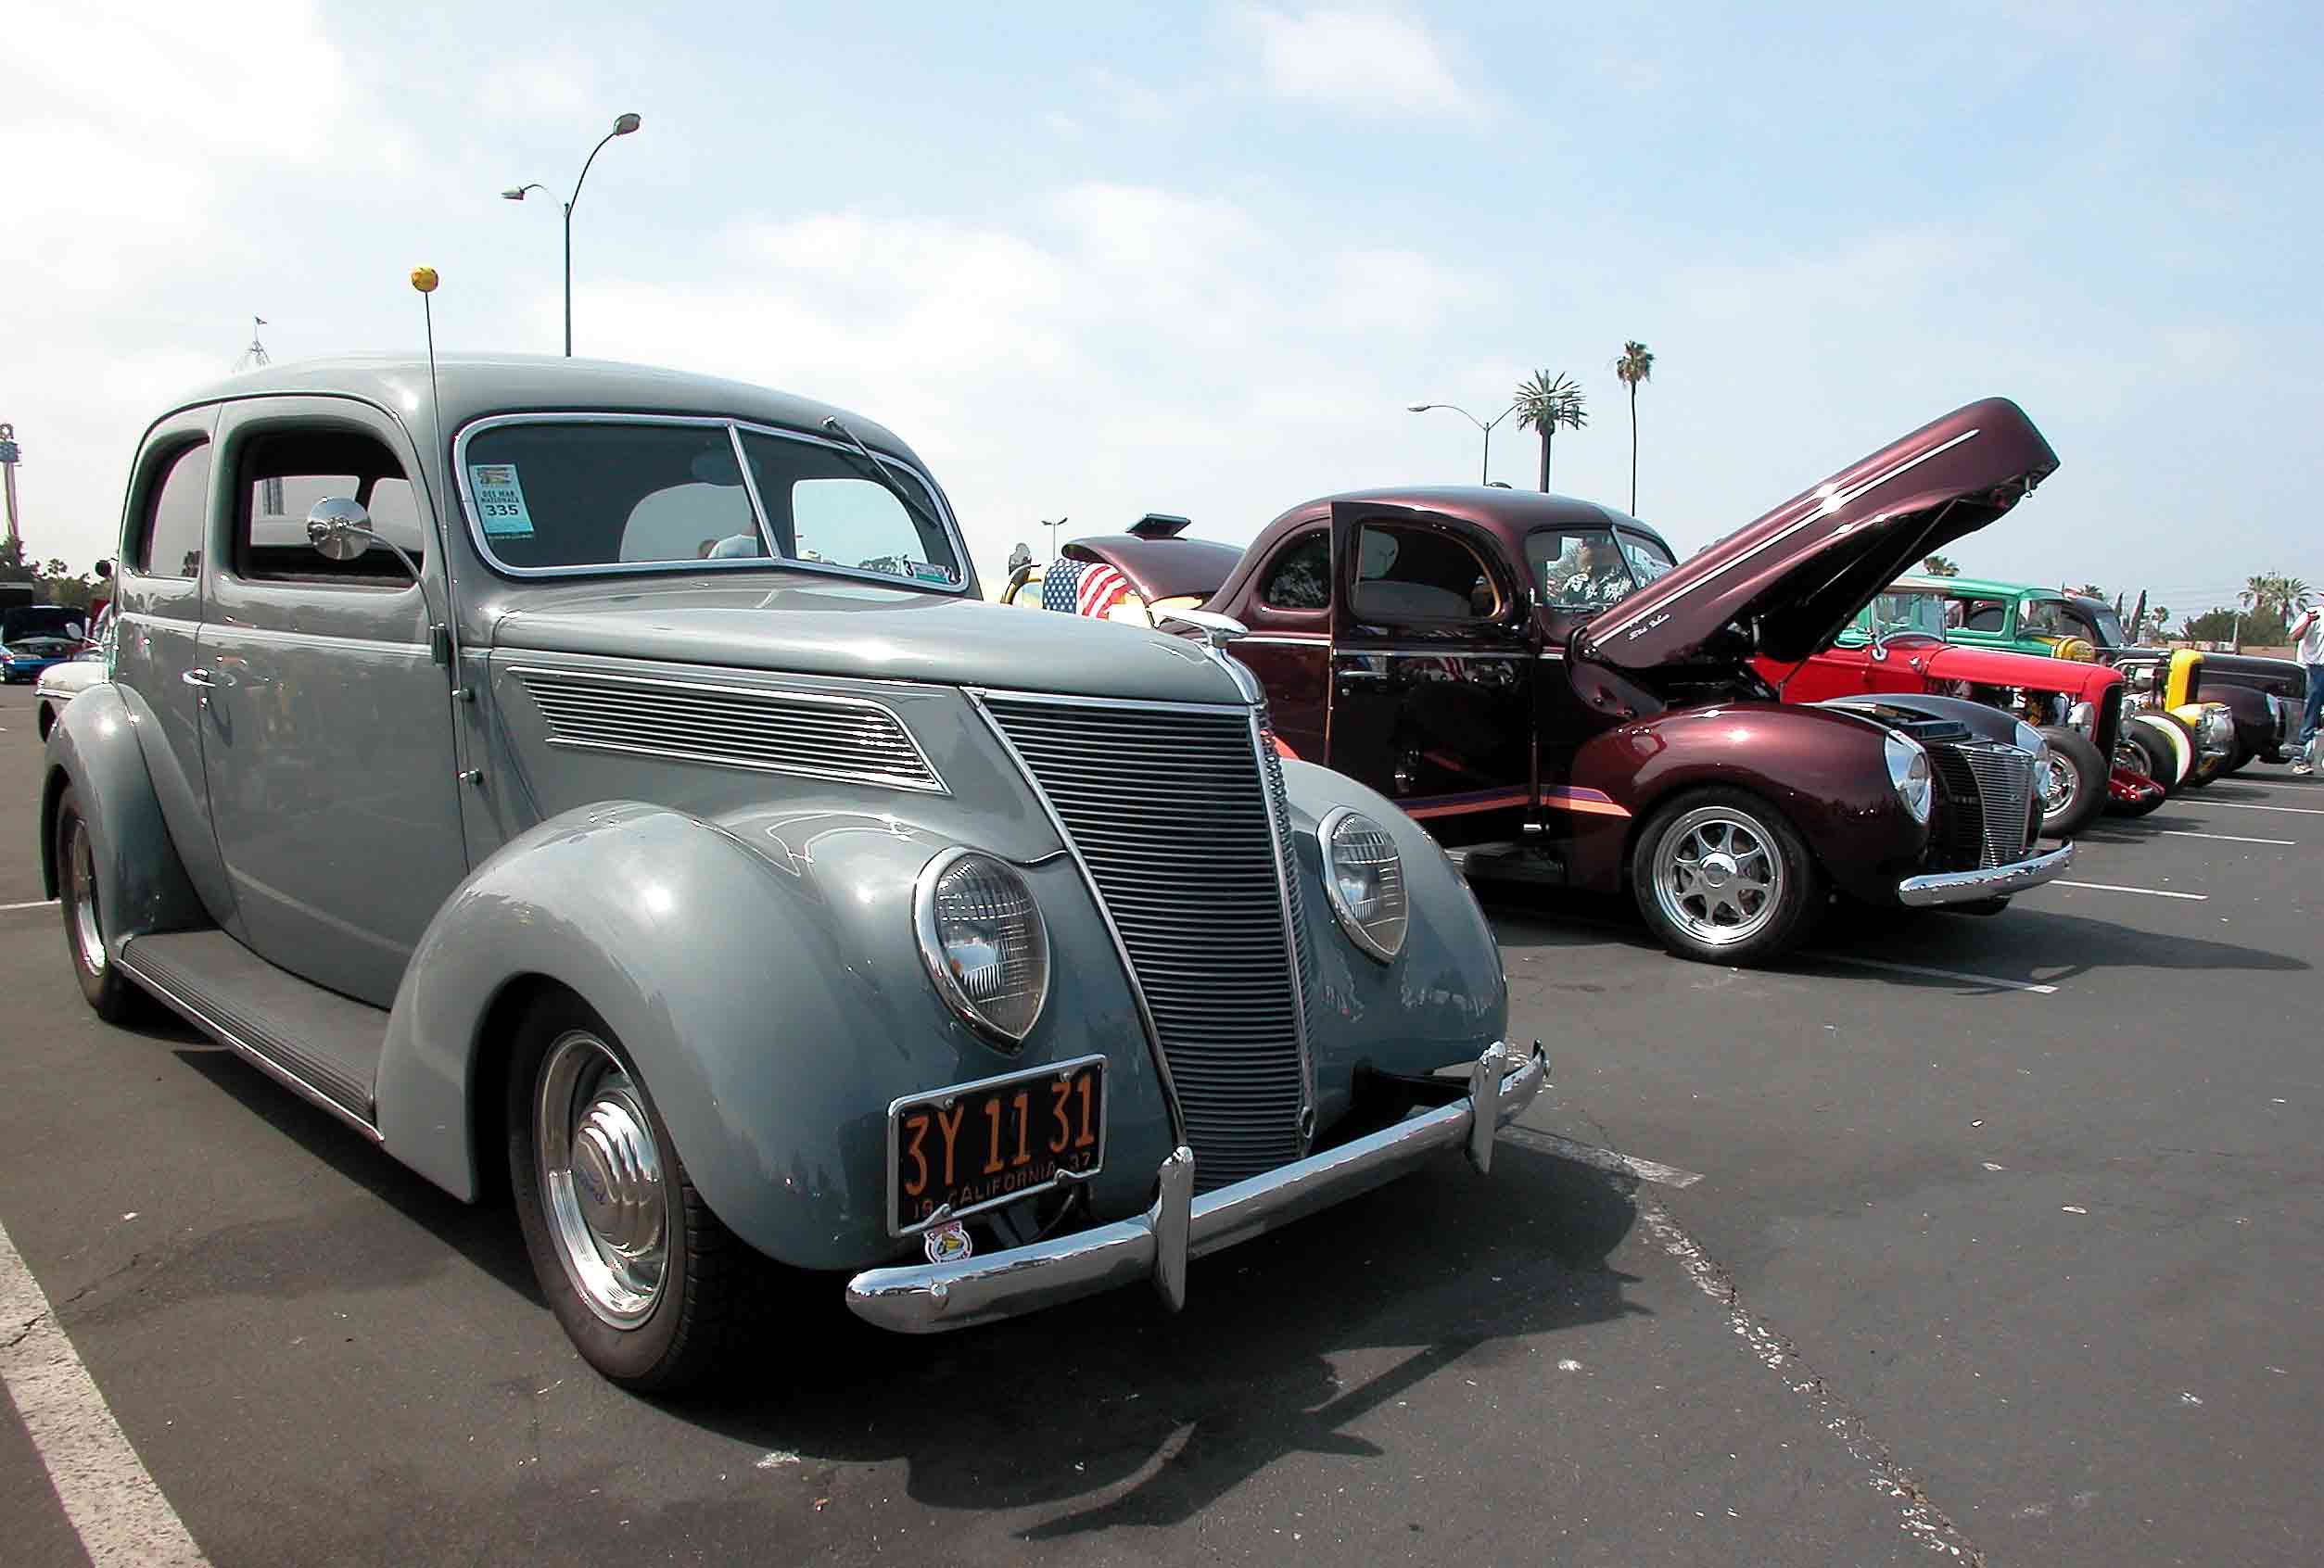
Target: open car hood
(1784, 585)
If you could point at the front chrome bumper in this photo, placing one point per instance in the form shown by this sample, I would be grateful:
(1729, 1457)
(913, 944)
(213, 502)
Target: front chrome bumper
(1987, 881)
(929, 1297)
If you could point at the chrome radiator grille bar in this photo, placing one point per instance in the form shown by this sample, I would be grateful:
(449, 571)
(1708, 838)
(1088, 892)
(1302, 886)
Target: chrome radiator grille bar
(1176, 818)
(820, 735)
(1989, 791)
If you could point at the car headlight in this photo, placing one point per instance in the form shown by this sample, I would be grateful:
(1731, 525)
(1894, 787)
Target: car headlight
(2082, 716)
(1364, 877)
(2026, 738)
(983, 939)
(2218, 728)
(1908, 770)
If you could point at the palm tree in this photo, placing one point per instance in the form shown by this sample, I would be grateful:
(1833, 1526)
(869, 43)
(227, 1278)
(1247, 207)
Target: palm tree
(1544, 405)
(2089, 590)
(1635, 365)
(1939, 566)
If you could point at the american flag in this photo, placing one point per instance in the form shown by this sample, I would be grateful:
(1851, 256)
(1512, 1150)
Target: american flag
(1081, 587)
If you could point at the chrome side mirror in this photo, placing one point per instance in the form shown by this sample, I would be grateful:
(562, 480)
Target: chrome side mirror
(340, 528)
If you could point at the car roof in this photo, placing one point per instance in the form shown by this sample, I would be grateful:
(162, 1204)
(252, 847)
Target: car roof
(472, 385)
(1985, 587)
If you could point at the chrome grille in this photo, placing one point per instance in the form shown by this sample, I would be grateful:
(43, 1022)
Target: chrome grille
(824, 736)
(1176, 818)
(1989, 795)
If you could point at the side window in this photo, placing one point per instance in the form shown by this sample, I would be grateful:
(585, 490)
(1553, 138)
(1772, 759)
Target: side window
(1983, 614)
(1577, 568)
(1407, 573)
(1300, 577)
(284, 475)
(170, 543)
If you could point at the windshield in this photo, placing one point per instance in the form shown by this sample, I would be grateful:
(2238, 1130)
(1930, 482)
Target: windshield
(44, 622)
(1578, 568)
(2108, 625)
(578, 495)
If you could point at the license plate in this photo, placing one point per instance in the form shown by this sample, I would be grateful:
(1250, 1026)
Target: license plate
(959, 1151)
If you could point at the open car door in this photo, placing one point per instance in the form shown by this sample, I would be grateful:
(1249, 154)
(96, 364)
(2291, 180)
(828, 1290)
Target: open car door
(1433, 651)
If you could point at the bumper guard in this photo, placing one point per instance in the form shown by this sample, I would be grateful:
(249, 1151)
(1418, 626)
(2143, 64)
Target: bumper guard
(929, 1297)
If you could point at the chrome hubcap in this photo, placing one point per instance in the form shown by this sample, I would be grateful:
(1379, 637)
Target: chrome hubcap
(88, 943)
(602, 1180)
(1717, 876)
(2058, 780)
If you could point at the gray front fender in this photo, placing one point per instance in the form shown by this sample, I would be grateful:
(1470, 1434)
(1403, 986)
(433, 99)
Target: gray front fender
(773, 1001)
(1443, 999)
(141, 885)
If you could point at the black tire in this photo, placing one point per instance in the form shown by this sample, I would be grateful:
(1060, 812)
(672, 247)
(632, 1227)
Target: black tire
(697, 1315)
(2162, 761)
(45, 720)
(111, 995)
(1793, 882)
(2073, 754)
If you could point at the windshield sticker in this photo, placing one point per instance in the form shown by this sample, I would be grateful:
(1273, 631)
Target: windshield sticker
(929, 572)
(499, 499)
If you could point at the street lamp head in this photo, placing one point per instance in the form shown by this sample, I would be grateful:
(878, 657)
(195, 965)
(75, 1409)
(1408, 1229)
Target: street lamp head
(516, 193)
(1418, 408)
(625, 124)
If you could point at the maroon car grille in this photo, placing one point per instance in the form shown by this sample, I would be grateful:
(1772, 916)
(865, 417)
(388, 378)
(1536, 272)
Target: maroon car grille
(1983, 805)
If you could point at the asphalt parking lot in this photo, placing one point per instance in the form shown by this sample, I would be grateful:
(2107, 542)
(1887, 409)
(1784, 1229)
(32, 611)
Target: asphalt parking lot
(1997, 1238)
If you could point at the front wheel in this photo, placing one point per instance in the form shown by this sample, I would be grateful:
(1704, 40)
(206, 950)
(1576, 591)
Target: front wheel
(644, 1279)
(1722, 877)
(111, 995)
(2073, 783)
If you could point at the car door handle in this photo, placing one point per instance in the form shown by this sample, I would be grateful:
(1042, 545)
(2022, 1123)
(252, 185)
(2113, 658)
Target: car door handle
(196, 678)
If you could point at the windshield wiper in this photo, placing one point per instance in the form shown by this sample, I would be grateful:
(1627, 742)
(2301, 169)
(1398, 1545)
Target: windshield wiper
(879, 471)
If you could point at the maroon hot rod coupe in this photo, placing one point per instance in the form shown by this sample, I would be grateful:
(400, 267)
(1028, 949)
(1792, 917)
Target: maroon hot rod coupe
(1530, 672)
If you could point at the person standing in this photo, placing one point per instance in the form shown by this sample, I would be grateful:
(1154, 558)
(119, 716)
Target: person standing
(2308, 632)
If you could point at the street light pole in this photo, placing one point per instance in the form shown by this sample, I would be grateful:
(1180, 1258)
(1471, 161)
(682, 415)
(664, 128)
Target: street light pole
(622, 127)
(1484, 468)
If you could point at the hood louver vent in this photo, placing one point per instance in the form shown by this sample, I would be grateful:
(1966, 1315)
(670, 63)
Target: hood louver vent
(817, 735)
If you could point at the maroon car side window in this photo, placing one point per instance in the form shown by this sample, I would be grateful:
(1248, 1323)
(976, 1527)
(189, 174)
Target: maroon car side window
(1301, 576)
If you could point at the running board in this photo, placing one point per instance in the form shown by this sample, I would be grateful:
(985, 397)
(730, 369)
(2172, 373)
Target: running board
(312, 1040)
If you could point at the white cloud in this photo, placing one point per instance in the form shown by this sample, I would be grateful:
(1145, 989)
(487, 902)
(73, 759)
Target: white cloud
(1105, 350)
(1368, 62)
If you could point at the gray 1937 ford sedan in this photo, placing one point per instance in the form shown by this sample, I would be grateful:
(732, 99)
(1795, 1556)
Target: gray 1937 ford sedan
(604, 786)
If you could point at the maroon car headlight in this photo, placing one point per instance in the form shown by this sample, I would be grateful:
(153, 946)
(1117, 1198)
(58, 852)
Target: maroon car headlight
(983, 939)
(1908, 771)
(1363, 878)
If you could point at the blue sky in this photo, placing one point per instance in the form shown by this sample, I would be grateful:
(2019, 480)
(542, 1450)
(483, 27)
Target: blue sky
(1198, 258)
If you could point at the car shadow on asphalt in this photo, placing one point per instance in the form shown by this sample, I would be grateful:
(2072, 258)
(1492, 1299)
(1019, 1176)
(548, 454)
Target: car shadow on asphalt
(1287, 1345)
(2021, 945)
(484, 1234)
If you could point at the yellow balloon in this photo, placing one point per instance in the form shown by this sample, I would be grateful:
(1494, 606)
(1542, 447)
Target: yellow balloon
(424, 279)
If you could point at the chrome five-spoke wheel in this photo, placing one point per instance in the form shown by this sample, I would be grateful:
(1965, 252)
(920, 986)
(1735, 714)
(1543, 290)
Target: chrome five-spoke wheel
(603, 1180)
(1717, 876)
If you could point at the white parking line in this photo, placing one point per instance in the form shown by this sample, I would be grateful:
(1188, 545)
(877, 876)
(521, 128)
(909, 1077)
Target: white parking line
(2151, 893)
(2035, 986)
(1602, 1159)
(2228, 838)
(36, 904)
(2252, 805)
(106, 1492)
